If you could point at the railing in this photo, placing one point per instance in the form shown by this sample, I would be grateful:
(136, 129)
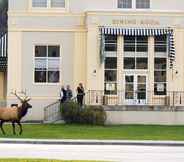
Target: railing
(52, 112)
(171, 99)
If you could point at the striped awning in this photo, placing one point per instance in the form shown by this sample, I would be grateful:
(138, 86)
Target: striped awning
(3, 52)
(119, 31)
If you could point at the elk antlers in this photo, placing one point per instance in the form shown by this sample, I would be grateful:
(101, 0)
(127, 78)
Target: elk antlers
(26, 98)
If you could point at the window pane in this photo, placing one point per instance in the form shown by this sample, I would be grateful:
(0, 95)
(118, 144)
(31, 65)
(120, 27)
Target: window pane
(110, 43)
(53, 76)
(142, 44)
(129, 44)
(40, 51)
(39, 3)
(160, 63)
(110, 88)
(40, 76)
(141, 63)
(54, 51)
(129, 63)
(110, 75)
(111, 63)
(161, 43)
(40, 64)
(160, 89)
(142, 4)
(160, 76)
(129, 79)
(124, 3)
(58, 3)
(129, 91)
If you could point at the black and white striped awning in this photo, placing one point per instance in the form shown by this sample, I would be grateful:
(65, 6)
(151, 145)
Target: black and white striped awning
(140, 32)
(3, 52)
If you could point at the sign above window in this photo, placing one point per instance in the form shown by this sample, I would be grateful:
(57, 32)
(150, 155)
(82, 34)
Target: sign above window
(48, 4)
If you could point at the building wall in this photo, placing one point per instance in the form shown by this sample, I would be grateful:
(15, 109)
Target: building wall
(77, 32)
(88, 5)
(2, 85)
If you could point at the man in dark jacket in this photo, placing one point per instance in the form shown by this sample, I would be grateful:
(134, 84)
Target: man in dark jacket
(69, 93)
(63, 96)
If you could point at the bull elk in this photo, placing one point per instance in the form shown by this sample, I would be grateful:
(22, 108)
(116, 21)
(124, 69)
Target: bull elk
(15, 114)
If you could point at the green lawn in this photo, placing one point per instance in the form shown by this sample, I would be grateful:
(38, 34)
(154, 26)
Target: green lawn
(125, 132)
(24, 160)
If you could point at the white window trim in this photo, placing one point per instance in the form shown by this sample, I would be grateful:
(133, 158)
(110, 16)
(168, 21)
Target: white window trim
(49, 8)
(60, 72)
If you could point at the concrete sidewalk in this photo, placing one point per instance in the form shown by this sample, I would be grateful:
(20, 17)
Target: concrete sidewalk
(91, 142)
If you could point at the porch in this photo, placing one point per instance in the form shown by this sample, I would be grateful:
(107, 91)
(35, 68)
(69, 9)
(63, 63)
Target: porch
(139, 100)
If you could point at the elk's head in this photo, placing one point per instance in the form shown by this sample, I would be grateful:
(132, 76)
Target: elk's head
(24, 101)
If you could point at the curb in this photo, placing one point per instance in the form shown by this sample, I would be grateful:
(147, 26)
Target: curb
(92, 142)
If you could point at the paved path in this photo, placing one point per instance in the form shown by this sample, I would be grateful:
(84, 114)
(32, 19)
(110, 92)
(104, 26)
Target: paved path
(122, 153)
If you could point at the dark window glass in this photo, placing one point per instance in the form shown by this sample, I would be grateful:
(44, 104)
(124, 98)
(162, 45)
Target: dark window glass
(141, 4)
(160, 63)
(110, 75)
(161, 43)
(110, 88)
(111, 63)
(110, 43)
(160, 76)
(160, 88)
(124, 3)
(53, 76)
(129, 63)
(142, 44)
(40, 76)
(141, 63)
(53, 51)
(129, 79)
(40, 51)
(129, 44)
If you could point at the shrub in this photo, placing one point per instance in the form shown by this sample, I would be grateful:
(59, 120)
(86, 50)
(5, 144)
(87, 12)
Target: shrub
(70, 112)
(73, 113)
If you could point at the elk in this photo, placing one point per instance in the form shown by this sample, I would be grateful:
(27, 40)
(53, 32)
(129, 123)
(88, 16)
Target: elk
(15, 114)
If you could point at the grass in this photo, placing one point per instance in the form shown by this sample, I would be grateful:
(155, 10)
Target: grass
(24, 160)
(121, 132)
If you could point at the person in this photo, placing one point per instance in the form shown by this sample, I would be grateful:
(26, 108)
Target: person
(62, 95)
(80, 94)
(69, 93)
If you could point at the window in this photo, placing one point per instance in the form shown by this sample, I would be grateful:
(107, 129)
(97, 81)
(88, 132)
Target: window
(161, 43)
(110, 65)
(135, 52)
(47, 64)
(39, 3)
(48, 3)
(110, 43)
(141, 4)
(160, 73)
(124, 3)
(58, 3)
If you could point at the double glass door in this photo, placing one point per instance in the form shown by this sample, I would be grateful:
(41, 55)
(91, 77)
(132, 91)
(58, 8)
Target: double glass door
(135, 89)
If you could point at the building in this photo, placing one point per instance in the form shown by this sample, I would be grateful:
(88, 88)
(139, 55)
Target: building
(125, 52)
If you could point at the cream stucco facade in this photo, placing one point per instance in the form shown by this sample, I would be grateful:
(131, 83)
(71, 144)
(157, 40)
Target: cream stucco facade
(76, 31)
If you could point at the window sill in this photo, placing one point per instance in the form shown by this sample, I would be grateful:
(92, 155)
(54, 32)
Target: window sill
(46, 84)
(48, 10)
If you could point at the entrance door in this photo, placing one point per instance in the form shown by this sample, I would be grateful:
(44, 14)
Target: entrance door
(135, 89)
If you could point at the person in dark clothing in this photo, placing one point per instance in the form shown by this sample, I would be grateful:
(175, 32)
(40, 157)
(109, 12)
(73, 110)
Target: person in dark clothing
(80, 94)
(63, 96)
(69, 93)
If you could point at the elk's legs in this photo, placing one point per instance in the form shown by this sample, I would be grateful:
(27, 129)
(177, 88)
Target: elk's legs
(20, 127)
(1, 125)
(13, 125)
